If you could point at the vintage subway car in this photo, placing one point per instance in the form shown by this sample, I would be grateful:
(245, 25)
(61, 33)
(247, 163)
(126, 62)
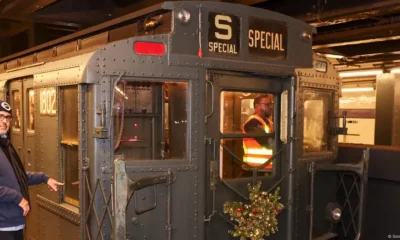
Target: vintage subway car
(142, 118)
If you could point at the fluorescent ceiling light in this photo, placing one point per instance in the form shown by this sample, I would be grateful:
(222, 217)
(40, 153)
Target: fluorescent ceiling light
(362, 89)
(360, 73)
(397, 70)
(328, 55)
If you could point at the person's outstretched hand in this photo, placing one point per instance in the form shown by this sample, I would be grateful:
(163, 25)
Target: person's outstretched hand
(53, 184)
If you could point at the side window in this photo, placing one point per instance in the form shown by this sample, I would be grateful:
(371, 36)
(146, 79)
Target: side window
(316, 121)
(31, 110)
(16, 122)
(245, 113)
(146, 116)
(69, 143)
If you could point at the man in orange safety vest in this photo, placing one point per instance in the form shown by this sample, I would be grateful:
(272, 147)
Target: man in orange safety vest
(258, 150)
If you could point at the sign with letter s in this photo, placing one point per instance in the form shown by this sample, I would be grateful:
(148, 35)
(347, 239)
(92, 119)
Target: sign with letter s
(223, 34)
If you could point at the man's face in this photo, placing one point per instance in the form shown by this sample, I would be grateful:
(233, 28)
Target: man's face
(5, 122)
(265, 107)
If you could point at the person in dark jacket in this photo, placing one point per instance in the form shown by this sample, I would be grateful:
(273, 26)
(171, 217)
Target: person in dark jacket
(14, 182)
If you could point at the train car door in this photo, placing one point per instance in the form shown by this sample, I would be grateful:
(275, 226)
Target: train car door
(232, 101)
(157, 179)
(22, 100)
(22, 135)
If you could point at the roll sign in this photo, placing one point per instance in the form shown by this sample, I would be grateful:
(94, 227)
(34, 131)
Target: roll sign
(223, 34)
(267, 39)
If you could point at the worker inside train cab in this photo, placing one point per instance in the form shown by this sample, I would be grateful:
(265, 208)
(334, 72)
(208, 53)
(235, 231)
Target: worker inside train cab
(258, 150)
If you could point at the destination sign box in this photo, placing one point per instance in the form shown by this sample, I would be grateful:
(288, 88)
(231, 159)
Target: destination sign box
(267, 39)
(224, 34)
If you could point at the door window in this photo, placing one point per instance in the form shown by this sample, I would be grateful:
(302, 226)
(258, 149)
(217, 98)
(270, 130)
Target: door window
(246, 113)
(150, 120)
(16, 123)
(31, 110)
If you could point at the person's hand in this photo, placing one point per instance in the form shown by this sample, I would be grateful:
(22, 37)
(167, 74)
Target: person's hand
(25, 206)
(52, 184)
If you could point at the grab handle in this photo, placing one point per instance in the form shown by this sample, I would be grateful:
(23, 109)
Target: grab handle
(212, 100)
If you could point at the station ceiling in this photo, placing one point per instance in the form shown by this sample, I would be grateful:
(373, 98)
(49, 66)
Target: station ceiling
(356, 34)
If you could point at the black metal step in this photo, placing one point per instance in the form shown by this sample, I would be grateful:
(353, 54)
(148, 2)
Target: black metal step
(326, 236)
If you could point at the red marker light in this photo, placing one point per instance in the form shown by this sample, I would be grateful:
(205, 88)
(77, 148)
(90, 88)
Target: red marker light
(135, 137)
(135, 124)
(149, 48)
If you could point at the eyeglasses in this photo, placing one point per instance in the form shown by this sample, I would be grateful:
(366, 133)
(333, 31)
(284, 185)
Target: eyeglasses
(8, 118)
(267, 104)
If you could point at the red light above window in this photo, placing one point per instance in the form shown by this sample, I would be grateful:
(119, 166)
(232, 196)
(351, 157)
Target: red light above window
(149, 48)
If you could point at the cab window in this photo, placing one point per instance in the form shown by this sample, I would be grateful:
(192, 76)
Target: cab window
(316, 121)
(150, 120)
(246, 113)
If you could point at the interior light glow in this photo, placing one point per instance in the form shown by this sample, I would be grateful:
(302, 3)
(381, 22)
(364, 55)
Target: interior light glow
(363, 89)
(121, 92)
(328, 55)
(360, 73)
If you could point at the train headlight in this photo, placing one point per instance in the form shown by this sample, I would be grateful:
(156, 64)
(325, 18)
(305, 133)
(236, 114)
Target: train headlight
(336, 214)
(333, 212)
(183, 16)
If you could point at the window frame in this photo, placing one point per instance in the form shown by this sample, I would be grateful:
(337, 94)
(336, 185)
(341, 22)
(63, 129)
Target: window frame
(189, 111)
(276, 120)
(330, 152)
(64, 199)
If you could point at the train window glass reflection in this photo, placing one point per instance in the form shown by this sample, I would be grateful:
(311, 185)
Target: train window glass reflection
(316, 106)
(150, 120)
(246, 113)
(16, 122)
(31, 110)
(71, 174)
(69, 143)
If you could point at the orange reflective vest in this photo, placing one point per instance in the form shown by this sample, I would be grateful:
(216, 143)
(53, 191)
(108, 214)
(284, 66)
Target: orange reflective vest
(254, 153)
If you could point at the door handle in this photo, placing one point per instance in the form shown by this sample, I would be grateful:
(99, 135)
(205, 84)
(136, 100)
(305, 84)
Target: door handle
(29, 157)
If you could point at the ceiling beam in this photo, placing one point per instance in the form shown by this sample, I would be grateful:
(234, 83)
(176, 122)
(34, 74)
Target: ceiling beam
(367, 49)
(246, 2)
(89, 31)
(15, 29)
(363, 41)
(364, 10)
(356, 34)
(323, 13)
(375, 59)
(13, 8)
(78, 18)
